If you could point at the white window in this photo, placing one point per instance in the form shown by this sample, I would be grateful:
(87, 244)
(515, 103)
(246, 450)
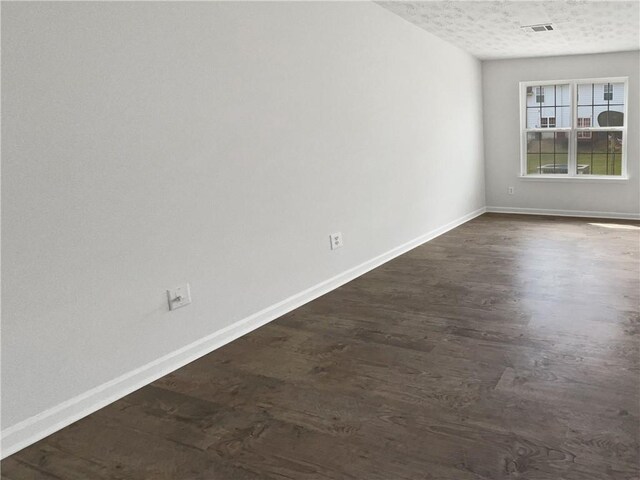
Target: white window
(574, 128)
(548, 122)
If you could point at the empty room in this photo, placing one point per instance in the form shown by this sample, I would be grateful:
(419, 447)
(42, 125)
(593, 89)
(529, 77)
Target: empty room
(339, 240)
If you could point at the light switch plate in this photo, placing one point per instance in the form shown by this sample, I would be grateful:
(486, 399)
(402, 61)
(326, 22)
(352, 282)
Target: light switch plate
(179, 297)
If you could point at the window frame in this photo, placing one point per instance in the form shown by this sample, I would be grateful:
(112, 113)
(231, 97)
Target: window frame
(572, 130)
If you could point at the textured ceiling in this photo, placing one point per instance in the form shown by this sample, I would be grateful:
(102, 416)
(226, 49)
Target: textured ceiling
(491, 29)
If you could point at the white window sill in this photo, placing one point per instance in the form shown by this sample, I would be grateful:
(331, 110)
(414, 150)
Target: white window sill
(576, 179)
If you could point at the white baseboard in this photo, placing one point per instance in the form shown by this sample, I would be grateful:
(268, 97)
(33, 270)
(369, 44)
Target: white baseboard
(564, 213)
(35, 428)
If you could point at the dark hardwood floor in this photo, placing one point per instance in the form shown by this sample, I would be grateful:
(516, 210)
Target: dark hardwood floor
(507, 348)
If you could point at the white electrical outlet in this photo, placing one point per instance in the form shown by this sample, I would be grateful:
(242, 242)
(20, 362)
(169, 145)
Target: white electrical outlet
(179, 297)
(510, 190)
(335, 240)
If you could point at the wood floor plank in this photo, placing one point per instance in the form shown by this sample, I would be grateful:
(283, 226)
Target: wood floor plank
(507, 348)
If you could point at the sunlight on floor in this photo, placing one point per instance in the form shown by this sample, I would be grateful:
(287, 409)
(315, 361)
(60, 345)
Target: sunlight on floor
(616, 225)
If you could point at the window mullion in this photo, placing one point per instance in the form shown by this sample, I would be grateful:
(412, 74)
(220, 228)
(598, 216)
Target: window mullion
(572, 167)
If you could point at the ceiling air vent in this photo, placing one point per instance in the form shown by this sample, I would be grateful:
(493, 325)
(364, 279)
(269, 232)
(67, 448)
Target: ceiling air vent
(543, 27)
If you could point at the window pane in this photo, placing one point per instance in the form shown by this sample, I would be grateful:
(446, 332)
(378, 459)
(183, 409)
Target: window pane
(585, 94)
(563, 95)
(600, 153)
(547, 152)
(585, 113)
(548, 101)
(603, 103)
(548, 112)
(563, 117)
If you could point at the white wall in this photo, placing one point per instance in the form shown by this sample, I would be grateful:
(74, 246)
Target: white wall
(502, 137)
(147, 144)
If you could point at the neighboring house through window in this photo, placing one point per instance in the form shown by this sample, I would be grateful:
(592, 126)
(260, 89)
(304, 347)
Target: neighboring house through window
(608, 92)
(548, 122)
(583, 123)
